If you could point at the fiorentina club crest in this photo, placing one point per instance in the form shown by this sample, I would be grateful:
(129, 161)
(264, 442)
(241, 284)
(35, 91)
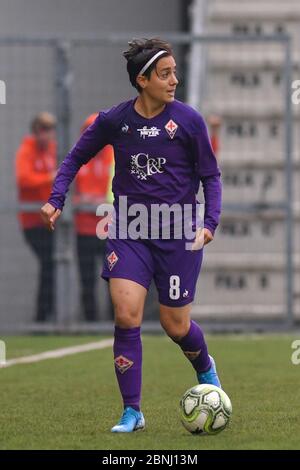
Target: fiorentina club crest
(192, 355)
(171, 128)
(123, 364)
(112, 259)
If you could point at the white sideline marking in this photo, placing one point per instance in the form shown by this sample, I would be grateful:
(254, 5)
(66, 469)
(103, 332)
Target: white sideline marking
(57, 353)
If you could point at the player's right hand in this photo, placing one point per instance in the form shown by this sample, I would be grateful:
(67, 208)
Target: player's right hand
(49, 215)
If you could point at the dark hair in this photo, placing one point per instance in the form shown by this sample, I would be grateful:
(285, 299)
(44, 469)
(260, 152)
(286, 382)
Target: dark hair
(138, 54)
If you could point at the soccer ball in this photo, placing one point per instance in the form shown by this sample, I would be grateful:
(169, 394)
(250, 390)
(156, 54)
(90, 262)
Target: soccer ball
(205, 409)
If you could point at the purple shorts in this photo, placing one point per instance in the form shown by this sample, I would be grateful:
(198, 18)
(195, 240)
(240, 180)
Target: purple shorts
(174, 269)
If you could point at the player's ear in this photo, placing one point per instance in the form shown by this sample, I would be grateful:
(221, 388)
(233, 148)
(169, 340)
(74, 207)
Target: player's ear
(141, 80)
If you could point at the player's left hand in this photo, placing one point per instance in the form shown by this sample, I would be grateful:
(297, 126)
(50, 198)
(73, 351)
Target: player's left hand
(49, 215)
(203, 237)
(208, 236)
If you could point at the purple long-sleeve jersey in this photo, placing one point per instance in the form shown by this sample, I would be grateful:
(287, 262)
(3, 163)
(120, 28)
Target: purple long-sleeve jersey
(158, 160)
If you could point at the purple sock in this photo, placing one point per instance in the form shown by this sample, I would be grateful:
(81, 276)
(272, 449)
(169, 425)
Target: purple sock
(128, 364)
(194, 348)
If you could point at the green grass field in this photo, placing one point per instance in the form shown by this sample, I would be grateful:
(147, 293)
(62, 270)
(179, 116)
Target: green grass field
(72, 402)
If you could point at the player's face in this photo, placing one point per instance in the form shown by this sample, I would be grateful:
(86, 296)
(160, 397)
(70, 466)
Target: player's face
(163, 81)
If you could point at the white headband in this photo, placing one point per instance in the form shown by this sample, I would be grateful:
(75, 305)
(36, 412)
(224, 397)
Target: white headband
(147, 65)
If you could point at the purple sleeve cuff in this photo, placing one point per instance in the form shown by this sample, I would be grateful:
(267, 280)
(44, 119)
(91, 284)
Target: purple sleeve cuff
(210, 228)
(212, 190)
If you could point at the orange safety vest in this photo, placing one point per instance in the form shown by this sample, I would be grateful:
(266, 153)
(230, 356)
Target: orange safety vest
(34, 170)
(215, 143)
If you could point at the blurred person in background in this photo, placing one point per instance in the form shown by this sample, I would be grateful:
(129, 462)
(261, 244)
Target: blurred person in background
(92, 186)
(36, 163)
(214, 123)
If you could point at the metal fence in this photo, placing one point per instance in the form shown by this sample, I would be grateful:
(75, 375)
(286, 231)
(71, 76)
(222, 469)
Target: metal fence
(251, 269)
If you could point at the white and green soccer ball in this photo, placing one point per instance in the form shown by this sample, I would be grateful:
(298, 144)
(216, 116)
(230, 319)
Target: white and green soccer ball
(205, 409)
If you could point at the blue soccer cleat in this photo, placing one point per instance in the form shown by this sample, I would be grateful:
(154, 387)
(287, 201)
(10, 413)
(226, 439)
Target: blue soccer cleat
(131, 420)
(210, 376)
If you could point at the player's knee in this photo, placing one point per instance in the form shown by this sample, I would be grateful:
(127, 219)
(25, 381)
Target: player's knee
(126, 316)
(176, 330)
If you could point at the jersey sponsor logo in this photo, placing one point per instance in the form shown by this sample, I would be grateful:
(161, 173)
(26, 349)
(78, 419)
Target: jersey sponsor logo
(171, 128)
(192, 355)
(149, 131)
(123, 364)
(112, 260)
(144, 166)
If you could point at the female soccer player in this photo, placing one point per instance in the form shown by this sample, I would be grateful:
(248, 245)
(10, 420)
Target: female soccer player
(162, 152)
